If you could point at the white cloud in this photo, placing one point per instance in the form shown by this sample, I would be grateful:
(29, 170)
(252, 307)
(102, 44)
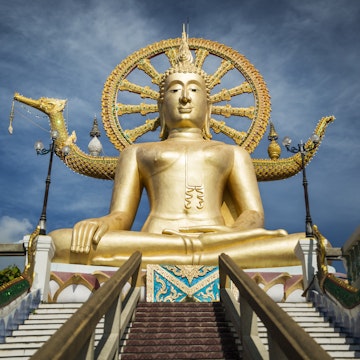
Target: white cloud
(12, 229)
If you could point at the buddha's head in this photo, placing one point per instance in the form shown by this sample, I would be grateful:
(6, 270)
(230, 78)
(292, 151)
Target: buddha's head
(184, 95)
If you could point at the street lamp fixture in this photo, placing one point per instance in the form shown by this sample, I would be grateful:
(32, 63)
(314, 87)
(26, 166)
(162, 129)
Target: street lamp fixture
(303, 149)
(40, 150)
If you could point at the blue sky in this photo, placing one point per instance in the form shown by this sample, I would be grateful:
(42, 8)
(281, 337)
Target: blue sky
(307, 51)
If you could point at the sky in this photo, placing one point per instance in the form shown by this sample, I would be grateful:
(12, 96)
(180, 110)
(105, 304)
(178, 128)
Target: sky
(307, 52)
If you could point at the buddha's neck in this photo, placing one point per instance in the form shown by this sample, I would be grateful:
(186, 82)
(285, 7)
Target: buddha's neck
(186, 134)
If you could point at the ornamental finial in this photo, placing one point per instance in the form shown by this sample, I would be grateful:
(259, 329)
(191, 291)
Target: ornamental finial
(184, 56)
(95, 128)
(274, 149)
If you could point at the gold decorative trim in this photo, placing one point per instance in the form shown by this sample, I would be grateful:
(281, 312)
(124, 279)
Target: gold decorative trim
(297, 285)
(74, 279)
(28, 272)
(280, 279)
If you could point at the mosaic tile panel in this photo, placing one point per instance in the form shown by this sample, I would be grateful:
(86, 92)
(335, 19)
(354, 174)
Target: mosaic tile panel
(181, 283)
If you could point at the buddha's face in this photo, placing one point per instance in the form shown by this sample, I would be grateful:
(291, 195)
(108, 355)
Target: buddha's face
(185, 103)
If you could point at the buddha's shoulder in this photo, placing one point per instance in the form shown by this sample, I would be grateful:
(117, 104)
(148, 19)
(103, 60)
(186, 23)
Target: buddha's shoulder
(163, 145)
(227, 147)
(134, 148)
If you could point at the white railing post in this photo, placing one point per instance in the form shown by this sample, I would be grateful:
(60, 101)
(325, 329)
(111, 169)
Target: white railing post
(305, 250)
(275, 351)
(45, 250)
(253, 346)
(112, 322)
(87, 352)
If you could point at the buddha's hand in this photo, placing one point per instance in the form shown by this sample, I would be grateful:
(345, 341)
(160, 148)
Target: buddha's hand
(88, 232)
(219, 234)
(204, 229)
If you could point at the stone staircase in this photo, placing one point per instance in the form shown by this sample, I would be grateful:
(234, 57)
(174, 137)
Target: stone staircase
(331, 338)
(36, 330)
(180, 331)
(174, 329)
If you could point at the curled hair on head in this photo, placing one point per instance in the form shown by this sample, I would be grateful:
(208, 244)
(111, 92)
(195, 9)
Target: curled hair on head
(180, 69)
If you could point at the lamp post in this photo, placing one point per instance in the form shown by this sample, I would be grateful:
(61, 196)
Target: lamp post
(40, 150)
(302, 149)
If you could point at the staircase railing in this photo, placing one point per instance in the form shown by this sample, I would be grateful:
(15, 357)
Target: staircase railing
(333, 296)
(76, 338)
(286, 339)
(12, 249)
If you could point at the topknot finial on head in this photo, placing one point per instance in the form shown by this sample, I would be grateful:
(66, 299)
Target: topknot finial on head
(184, 56)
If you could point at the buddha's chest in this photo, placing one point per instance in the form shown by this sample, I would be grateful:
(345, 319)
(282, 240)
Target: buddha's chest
(184, 160)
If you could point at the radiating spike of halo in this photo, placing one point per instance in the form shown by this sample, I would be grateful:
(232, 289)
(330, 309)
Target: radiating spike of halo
(227, 94)
(143, 91)
(149, 69)
(201, 55)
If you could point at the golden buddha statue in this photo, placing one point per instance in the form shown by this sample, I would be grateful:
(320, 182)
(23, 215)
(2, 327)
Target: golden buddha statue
(191, 182)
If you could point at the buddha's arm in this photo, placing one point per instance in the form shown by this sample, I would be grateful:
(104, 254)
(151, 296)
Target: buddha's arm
(246, 197)
(125, 200)
(245, 193)
(244, 190)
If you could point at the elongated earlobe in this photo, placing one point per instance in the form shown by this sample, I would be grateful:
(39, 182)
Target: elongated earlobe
(163, 128)
(206, 129)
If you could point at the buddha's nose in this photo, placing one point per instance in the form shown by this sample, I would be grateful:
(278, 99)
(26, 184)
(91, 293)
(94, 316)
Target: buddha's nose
(185, 99)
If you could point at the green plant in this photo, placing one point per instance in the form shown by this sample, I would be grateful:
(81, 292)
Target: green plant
(9, 273)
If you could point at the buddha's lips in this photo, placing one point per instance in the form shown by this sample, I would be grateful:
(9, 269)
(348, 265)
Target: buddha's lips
(183, 110)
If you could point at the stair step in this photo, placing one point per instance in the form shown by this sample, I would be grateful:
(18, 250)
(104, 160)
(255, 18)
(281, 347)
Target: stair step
(179, 348)
(11, 346)
(199, 330)
(51, 326)
(340, 355)
(180, 356)
(173, 335)
(17, 353)
(339, 347)
(25, 339)
(59, 306)
(55, 311)
(311, 311)
(34, 332)
(180, 317)
(45, 320)
(296, 304)
(330, 346)
(180, 341)
(178, 323)
(319, 329)
(326, 340)
(189, 319)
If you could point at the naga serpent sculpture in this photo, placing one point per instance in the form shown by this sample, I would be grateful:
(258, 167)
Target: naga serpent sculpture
(206, 52)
